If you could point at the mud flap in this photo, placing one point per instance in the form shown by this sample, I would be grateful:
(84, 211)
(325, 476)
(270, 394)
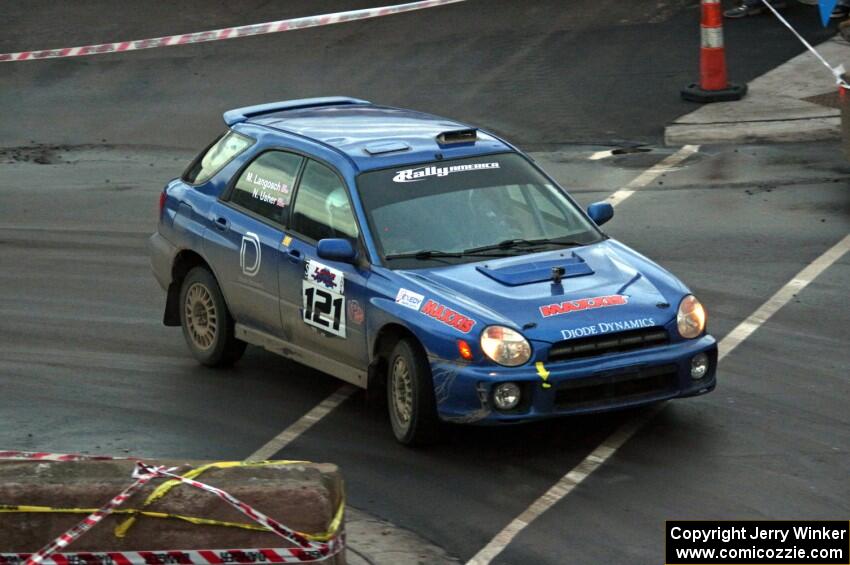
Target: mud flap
(172, 306)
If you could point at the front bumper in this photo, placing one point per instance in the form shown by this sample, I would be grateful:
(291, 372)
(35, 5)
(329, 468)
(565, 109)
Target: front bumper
(580, 386)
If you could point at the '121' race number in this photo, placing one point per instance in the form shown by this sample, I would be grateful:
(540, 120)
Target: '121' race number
(324, 309)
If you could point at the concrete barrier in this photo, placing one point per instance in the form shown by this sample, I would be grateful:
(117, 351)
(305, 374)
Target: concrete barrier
(302, 496)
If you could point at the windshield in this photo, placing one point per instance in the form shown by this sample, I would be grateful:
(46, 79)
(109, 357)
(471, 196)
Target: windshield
(466, 209)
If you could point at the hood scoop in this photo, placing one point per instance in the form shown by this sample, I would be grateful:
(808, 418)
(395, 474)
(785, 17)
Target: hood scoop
(520, 273)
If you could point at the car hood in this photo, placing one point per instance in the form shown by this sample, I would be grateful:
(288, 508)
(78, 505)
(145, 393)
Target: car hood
(605, 285)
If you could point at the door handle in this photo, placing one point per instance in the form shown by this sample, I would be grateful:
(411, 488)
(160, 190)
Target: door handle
(221, 223)
(294, 255)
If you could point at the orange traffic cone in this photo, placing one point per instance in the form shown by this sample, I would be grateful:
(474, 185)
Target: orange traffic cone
(714, 85)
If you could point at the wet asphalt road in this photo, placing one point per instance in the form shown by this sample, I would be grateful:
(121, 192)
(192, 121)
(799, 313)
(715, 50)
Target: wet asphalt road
(86, 366)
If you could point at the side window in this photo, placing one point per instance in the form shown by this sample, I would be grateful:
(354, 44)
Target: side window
(265, 186)
(322, 209)
(216, 157)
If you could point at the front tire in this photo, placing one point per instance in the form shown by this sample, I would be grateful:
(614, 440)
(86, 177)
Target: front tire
(206, 321)
(410, 395)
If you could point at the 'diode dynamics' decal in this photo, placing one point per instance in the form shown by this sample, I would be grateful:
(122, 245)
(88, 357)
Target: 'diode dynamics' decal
(606, 327)
(420, 173)
(409, 299)
(448, 316)
(583, 304)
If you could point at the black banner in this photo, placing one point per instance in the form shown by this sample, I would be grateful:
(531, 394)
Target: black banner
(758, 542)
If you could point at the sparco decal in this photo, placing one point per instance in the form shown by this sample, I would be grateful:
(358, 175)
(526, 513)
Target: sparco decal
(448, 316)
(420, 173)
(605, 327)
(583, 304)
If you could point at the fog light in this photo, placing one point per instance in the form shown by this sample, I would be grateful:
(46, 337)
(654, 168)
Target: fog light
(506, 396)
(699, 366)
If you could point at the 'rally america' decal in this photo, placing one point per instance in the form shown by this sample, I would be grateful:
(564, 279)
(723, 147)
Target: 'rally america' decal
(568, 306)
(448, 316)
(420, 173)
(325, 276)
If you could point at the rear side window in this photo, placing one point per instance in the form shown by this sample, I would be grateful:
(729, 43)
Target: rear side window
(216, 157)
(265, 186)
(322, 209)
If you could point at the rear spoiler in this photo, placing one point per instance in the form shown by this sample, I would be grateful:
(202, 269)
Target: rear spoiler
(238, 115)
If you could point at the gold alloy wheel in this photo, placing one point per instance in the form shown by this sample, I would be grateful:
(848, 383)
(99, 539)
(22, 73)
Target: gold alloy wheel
(201, 316)
(402, 392)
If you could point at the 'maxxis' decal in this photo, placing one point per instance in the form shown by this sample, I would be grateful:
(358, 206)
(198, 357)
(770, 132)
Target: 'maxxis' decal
(420, 173)
(448, 316)
(583, 304)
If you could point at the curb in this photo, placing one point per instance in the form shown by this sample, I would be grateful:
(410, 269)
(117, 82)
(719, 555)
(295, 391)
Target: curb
(372, 541)
(776, 131)
(788, 103)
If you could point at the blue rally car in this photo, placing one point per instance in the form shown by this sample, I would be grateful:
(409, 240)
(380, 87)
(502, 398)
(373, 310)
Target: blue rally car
(383, 245)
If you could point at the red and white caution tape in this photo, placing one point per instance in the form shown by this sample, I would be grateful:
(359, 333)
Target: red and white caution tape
(143, 474)
(171, 557)
(226, 33)
(44, 456)
(837, 72)
(306, 552)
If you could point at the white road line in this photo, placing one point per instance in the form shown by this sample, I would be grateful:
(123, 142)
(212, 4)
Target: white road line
(664, 166)
(784, 295)
(613, 442)
(601, 155)
(303, 423)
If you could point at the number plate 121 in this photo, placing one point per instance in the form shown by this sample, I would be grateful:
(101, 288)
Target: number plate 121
(323, 308)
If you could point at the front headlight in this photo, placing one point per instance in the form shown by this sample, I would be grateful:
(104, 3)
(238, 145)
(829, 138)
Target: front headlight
(505, 346)
(691, 317)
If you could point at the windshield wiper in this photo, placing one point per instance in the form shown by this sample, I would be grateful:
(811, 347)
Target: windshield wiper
(435, 254)
(422, 255)
(514, 243)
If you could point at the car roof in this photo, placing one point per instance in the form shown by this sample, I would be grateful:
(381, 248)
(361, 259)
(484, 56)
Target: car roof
(371, 136)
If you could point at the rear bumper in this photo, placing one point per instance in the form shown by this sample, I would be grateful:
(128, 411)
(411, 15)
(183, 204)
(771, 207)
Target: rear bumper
(611, 382)
(162, 253)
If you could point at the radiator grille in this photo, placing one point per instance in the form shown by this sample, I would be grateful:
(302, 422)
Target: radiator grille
(600, 390)
(609, 343)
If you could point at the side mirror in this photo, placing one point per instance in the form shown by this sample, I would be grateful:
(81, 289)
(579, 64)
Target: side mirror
(600, 212)
(334, 249)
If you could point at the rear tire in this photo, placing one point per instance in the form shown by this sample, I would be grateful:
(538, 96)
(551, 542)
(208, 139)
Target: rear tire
(410, 395)
(206, 321)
